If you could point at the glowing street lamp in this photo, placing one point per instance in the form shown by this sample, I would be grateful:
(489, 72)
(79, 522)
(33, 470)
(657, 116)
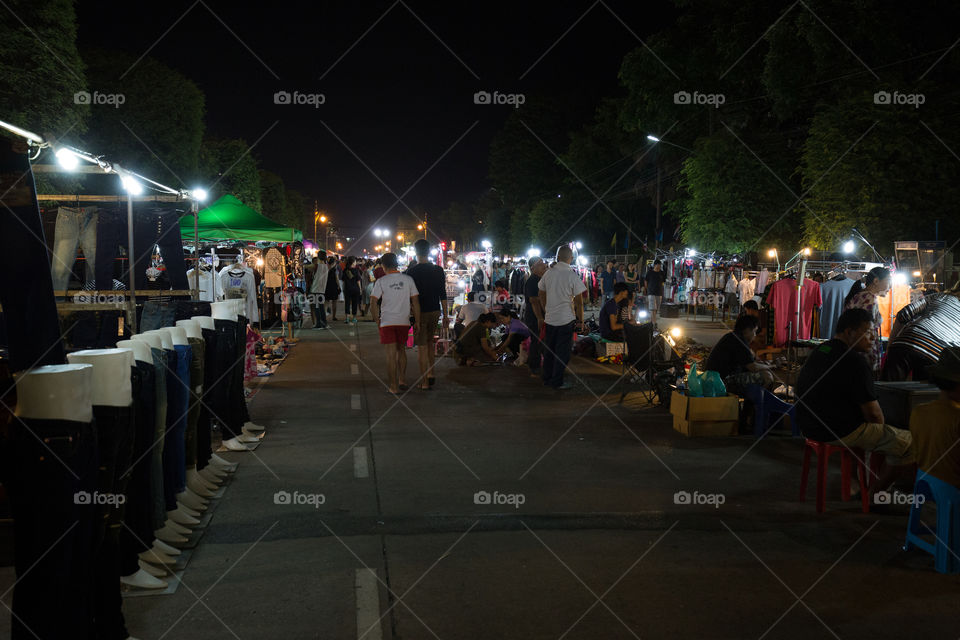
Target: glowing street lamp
(486, 244)
(848, 246)
(773, 253)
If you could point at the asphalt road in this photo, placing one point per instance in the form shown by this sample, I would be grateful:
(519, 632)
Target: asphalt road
(493, 507)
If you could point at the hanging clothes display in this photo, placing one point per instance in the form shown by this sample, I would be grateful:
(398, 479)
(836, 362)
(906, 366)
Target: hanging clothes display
(157, 224)
(238, 282)
(762, 279)
(111, 241)
(782, 298)
(746, 289)
(75, 226)
(211, 287)
(833, 293)
(273, 268)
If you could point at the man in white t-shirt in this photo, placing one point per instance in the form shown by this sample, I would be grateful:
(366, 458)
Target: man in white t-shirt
(394, 299)
(561, 290)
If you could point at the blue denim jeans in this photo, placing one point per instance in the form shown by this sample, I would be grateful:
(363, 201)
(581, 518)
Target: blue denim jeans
(74, 227)
(557, 346)
(159, 511)
(174, 447)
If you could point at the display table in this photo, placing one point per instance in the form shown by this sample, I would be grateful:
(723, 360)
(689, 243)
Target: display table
(898, 400)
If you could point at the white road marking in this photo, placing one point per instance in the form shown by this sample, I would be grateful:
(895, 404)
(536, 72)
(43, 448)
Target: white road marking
(355, 401)
(354, 369)
(360, 462)
(368, 605)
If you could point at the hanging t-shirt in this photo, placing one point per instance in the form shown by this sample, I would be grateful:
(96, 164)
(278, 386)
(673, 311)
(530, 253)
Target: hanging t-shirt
(211, 289)
(746, 289)
(783, 299)
(238, 282)
(833, 293)
(273, 268)
(762, 278)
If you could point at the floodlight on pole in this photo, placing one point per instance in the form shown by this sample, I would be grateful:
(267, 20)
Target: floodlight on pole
(848, 246)
(199, 194)
(67, 159)
(486, 244)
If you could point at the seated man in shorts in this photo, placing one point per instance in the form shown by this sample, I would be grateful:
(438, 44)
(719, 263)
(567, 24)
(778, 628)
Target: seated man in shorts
(837, 403)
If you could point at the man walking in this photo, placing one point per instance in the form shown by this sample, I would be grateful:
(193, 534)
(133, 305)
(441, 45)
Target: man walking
(431, 284)
(317, 288)
(608, 278)
(533, 312)
(394, 300)
(560, 294)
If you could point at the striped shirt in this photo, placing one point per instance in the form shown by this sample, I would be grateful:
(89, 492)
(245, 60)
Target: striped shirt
(929, 324)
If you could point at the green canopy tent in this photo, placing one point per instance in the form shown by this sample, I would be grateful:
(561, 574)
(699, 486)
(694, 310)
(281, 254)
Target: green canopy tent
(230, 219)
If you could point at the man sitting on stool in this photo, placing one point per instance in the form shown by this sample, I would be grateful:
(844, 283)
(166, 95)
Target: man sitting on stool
(610, 326)
(935, 427)
(837, 403)
(736, 363)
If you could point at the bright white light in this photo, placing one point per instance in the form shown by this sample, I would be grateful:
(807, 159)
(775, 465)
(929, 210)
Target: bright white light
(642, 314)
(772, 253)
(806, 251)
(133, 187)
(199, 194)
(848, 246)
(653, 138)
(676, 332)
(259, 262)
(67, 159)
(449, 263)
(579, 246)
(899, 278)
(582, 261)
(462, 284)
(433, 252)
(376, 232)
(486, 244)
(533, 252)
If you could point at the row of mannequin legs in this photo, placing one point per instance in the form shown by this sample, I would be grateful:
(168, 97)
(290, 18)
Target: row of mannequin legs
(111, 469)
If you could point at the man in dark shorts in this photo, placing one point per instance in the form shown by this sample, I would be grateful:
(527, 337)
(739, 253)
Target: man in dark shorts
(653, 289)
(394, 300)
(431, 284)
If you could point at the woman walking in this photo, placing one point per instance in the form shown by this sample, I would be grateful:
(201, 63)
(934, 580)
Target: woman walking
(333, 289)
(352, 292)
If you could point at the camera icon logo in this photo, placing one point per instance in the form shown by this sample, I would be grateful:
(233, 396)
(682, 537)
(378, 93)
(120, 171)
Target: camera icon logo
(82, 497)
(282, 97)
(681, 497)
(81, 97)
(482, 97)
(282, 497)
(681, 97)
(482, 497)
(883, 497)
(881, 97)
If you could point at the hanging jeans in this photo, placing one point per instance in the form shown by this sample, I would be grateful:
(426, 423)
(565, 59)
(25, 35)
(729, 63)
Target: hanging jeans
(557, 346)
(158, 224)
(74, 226)
(115, 444)
(239, 397)
(45, 465)
(204, 449)
(195, 395)
(137, 536)
(178, 390)
(26, 288)
(161, 367)
(111, 235)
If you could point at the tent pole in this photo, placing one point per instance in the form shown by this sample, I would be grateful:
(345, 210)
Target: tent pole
(195, 208)
(131, 259)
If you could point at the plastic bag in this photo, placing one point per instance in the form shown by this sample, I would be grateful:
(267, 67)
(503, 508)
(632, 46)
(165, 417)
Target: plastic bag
(694, 383)
(713, 386)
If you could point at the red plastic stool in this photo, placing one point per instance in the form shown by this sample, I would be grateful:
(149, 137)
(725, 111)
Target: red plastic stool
(847, 458)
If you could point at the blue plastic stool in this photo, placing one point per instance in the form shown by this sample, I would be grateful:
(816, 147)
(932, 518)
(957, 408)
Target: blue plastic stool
(766, 405)
(945, 547)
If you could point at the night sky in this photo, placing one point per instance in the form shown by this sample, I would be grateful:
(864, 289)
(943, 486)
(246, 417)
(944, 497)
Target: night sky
(398, 98)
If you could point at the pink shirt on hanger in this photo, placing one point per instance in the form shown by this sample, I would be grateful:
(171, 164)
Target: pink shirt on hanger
(783, 299)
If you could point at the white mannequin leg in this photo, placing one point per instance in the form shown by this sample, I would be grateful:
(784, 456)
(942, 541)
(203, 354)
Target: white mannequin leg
(166, 534)
(163, 547)
(156, 557)
(182, 518)
(193, 501)
(143, 580)
(234, 444)
(226, 465)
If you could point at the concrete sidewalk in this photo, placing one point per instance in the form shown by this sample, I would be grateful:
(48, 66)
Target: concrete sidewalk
(492, 507)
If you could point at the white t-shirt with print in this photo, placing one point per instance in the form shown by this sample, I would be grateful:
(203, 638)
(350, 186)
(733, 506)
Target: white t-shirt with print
(393, 291)
(561, 284)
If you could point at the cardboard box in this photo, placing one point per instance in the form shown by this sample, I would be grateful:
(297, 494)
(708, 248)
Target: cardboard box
(694, 417)
(610, 348)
